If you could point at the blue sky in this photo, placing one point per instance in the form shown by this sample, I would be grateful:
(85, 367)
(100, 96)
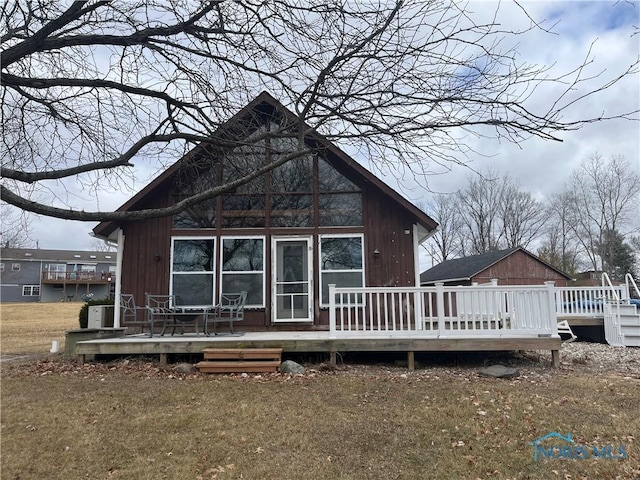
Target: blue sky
(541, 167)
(595, 15)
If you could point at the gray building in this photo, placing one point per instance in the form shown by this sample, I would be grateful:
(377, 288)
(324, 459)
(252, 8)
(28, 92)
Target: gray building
(36, 275)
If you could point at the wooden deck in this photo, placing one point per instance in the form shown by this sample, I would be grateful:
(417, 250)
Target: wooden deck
(583, 321)
(318, 341)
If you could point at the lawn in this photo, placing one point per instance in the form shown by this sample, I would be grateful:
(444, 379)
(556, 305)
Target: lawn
(31, 327)
(134, 419)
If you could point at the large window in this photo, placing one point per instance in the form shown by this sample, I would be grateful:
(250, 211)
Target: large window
(303, 192)
(202, 215)
(245, 206)
(291, 187)
(243, 268)
(192, 271)
(56, 271)
(339, 200)
(31, 290)
(341, 263)
(196, 176)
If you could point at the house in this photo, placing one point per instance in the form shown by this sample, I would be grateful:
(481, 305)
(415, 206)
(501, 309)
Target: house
(589, 278)
(283, 237)
(37, 275)
(513, 266)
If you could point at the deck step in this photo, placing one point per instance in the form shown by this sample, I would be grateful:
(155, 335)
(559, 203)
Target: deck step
(235, 366)
(240, 360)
(242, 353)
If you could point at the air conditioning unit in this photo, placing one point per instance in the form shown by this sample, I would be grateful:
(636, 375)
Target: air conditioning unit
(100, 316)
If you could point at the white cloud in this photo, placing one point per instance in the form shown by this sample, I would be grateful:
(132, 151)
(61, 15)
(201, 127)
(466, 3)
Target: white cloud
(540, 166)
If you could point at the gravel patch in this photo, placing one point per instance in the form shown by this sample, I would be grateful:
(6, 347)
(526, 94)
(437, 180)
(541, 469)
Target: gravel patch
(598, 357)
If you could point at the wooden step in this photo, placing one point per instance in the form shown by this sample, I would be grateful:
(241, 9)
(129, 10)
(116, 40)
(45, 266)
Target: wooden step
(239, 366)
(240, 360)
(242, 353)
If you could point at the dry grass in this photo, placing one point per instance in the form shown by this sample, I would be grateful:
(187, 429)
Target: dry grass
(105, 423)
(31, 327)
(134, 420)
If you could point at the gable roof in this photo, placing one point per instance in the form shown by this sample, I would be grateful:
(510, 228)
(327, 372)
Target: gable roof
(264, 100)
(465, 268)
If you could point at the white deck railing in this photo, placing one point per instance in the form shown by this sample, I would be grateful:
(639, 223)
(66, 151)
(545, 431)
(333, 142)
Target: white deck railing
(487, 310)
(587, 301)
(631, 285)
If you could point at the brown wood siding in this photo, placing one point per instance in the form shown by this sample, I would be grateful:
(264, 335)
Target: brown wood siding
(387, 228)
(146, 256)
(386, 231)
(520, 269)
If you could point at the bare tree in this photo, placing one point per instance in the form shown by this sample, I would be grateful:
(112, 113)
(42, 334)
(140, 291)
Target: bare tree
(480, 206)
(100, 246)
(16, 228)
(522, 216)
(446, 242)
(99, 92)
(559, 246)
(495, 213)
(603, 196)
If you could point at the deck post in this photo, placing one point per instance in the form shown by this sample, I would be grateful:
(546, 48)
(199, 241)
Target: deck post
(553, 315)
(417, 310)
(555, 358)
(332, 310)
(332, 358)
(411, 364)
(440, 307)
(163, 358)
(81, 359)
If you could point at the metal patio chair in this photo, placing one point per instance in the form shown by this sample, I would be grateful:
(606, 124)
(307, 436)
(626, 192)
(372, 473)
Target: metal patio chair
(131, 314)
(230, 309)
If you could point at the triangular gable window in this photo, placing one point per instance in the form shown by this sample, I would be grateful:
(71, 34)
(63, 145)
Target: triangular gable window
(303, 192)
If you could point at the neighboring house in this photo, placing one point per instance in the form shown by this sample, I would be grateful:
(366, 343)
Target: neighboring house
(591, 278)
(513, 266)
(284, 237)
(35, 275)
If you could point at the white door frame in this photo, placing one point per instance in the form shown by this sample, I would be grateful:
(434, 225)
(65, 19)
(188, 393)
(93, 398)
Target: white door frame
(276, 282)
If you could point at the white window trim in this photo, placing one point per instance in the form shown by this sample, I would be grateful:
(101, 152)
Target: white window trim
(264, 269)
(212, 273)
(30, 288)
(321, 271)
(15, 267)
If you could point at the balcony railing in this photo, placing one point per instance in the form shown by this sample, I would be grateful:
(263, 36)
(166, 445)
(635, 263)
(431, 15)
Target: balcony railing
(77, 277)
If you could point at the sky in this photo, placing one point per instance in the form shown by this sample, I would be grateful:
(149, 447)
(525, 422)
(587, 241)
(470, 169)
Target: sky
(540, 166)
